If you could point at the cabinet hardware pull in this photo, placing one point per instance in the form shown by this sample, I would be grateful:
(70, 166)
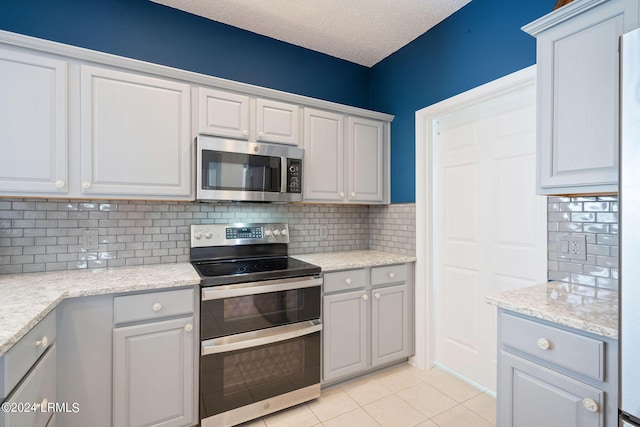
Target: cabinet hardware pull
(590, 404)
(392, 275)
(341, 195)
(245, 132)
(543, 343)
(353, 194)
(59, 184)
(188, 327)
(377, 295)
(347, 281)
(86, 185)
(261, 134)
(365, 297)
(156, 307)
(43, 342)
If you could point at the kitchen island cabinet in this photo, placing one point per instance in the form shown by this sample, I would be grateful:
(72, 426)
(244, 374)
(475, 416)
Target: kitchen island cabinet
(578, 94)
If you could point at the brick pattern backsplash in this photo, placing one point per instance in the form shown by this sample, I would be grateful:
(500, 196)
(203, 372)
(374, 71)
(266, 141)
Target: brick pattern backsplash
(46, 235)
(393, 228)
(597, 219)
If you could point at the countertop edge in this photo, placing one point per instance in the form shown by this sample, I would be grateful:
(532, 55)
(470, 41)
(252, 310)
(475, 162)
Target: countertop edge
(346, 260)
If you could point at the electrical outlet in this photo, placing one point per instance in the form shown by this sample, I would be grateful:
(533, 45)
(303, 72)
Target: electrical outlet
(324, 232)
(90, 239)
(573, 246)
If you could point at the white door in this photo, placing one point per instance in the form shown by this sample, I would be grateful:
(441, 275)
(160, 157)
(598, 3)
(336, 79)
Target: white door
(489, 225)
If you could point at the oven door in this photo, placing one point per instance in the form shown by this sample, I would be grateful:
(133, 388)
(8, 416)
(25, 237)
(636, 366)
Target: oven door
(249, 375)
(245, 307)
(244, 171)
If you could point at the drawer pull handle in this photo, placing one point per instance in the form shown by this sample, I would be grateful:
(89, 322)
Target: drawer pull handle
(392, 275)
(156, 307)
(348, 281)
(43, 405)
(59, 184)
(341, 195)
(188, 327)
(365, 297)
(590, 404)
(377, 295)
(44, 342)
(543, 343)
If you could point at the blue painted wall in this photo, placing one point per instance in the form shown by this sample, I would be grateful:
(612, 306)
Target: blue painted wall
(151, 32)
(479, 43)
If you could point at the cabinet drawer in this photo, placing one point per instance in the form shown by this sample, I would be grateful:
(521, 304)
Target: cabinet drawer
(388, 274)
(578, 353)
(38, 388)
(133, 308)
(345, 280)
(22, 356)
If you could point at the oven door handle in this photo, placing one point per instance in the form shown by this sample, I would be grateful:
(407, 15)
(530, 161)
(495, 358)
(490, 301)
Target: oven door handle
(262, 287)
(258, 338)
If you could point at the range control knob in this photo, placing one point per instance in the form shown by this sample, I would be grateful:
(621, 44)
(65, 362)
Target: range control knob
(284, 232)
(276, 232)
(268, 233)
(198, 235)
(208, 234)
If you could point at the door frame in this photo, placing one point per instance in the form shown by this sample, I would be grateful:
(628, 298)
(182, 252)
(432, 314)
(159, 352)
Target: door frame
(425, 253)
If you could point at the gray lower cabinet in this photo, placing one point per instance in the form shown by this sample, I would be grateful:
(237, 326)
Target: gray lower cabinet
(365, 324)
(153, 379)
(554, 376)
(129, 359)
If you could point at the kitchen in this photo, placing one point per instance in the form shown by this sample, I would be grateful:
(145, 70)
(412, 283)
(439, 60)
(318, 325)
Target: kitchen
(402, 75)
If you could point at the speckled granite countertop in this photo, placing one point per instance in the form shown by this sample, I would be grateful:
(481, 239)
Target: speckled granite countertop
(331, 261)
(25, 299)
(580, 307)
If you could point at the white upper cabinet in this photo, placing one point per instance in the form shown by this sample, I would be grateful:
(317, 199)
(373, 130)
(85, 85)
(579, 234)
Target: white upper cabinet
(324, 156)
(223, 113)
(345, 165)
(33, 124)
(277, 122)
(135, 133)
(578, 90)
(239, 116)
(366, 153)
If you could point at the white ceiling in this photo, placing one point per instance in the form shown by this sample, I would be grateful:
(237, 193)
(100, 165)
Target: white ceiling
(360, 31)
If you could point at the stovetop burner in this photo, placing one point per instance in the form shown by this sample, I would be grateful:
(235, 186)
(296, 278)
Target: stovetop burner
(239, 253)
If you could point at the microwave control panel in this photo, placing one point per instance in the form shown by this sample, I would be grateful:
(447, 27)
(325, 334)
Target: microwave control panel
(294, 176)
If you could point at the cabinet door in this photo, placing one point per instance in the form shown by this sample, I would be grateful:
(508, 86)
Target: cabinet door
(578, 85)
(153, 374)
(365, 167)
(135, 135)
(344, 334)
(223, 113)
(33, 124)
(323, 156)
(277, 122)
(389, 324)
(532, 396)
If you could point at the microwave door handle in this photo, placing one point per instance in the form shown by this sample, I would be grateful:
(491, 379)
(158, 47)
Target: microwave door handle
(260, 337)
(283, 186)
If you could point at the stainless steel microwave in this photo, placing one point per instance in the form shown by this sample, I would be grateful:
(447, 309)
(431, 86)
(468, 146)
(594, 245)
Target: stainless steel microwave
(236, 170)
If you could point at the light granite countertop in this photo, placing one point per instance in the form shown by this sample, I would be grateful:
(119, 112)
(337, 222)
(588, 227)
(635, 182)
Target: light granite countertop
(332, 261)
(580, 307)
(25, 299)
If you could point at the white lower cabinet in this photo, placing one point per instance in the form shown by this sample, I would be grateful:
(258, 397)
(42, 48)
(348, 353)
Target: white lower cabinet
(554, 376)
(153, 374)
(364, 326)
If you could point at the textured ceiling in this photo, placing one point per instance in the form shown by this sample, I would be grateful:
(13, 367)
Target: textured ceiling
(360, 31)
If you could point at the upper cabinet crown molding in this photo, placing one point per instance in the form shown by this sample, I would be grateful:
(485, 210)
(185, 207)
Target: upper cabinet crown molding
(562, 14)
(82, 54)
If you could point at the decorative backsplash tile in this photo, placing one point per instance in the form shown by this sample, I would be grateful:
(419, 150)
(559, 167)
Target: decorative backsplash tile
(595, 218)
(46, 235)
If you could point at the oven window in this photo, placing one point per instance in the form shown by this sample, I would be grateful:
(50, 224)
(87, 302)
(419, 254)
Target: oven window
(238, 378)
(240, 172)
(235, 315)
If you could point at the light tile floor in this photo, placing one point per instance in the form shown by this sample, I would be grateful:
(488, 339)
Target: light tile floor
(400, 396)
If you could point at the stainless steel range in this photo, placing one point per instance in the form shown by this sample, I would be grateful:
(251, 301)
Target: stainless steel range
(259, 322)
